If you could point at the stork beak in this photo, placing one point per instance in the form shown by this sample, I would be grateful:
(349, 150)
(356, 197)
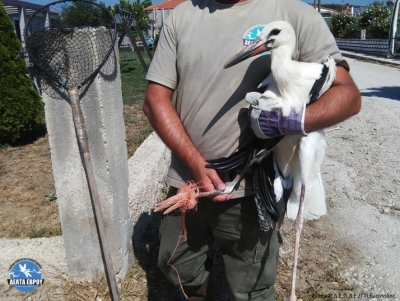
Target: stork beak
(257, 47)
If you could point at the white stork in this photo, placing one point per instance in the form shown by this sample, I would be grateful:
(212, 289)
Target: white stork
(293, 84)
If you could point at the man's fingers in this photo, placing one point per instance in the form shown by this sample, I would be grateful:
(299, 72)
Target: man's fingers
(216, 180)
(222, 198)
(221, 186)
(216, 183)
(210, 181)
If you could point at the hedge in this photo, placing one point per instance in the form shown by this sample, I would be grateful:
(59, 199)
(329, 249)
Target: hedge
(21, 108)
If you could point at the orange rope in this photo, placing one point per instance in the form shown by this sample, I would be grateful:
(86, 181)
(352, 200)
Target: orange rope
(172, 266)
(185, 200)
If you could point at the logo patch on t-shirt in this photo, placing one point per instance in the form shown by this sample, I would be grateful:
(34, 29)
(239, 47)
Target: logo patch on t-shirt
(252, 34)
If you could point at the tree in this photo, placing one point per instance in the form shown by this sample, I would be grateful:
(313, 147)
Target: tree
(138, 9)
(83, 14)
(21, 108)
(337, 7)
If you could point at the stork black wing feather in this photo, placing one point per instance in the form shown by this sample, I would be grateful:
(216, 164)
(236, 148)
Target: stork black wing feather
(267, 144)
(267, 177)
(258, 148)
(264, 219)
(228, 163)
(316, 88)
(264, 195)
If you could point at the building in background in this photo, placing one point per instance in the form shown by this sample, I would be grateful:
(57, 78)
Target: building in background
(158, 13)
(327, 12)
(19, 13)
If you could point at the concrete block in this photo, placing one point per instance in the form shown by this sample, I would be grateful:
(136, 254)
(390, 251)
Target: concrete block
(147, 170)
(102, 105)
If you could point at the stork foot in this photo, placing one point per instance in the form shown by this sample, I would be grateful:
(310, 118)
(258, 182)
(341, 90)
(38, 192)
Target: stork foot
(298, 227)
(293, 297)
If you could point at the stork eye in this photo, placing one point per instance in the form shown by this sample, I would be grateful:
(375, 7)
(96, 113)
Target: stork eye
(275, 32)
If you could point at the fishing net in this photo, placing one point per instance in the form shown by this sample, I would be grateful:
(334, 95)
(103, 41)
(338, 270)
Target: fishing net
(69, 41)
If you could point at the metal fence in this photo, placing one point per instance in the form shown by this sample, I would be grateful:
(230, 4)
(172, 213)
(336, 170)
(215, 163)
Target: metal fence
(376, 47)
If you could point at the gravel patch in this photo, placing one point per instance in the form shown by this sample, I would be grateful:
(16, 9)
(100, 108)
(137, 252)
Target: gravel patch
(361, 175)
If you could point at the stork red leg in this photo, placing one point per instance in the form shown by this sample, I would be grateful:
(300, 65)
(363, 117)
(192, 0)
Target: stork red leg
(183, 223)
(298, 226)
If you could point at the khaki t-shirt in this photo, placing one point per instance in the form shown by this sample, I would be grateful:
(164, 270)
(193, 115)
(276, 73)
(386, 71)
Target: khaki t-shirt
(197, 40)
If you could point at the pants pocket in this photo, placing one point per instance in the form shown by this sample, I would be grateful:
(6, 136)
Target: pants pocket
(255, 269)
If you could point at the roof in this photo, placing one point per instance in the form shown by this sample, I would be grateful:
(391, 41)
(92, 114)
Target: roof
(334, 11)
(326, 10)
(169, 4)
(358, 10)
(11, 6)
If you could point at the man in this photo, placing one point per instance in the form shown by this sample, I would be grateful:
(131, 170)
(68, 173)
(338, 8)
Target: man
(210, 121)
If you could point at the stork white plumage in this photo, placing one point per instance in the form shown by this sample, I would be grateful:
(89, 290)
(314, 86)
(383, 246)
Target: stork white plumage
(290, 85)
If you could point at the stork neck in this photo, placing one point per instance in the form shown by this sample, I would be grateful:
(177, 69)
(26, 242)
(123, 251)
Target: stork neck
(281, 65)
(281, 55)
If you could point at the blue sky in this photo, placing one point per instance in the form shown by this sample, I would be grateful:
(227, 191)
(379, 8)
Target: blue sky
(353, 2)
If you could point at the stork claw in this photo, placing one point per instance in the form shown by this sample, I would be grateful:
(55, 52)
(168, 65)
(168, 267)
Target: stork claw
(172, 208)
(167, 203)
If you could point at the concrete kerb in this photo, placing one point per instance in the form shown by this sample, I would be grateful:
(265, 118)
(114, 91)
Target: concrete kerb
(372, 58)
(147, 170)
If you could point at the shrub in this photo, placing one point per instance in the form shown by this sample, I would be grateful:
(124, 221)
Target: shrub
(340, 22)
(376, 20)
(157, 38)
(21, 108)
(352, 31)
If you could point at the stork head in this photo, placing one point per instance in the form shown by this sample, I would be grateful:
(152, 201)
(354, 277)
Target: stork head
(276, 35)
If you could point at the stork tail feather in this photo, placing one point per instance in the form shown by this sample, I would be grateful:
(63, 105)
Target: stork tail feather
(314, 201)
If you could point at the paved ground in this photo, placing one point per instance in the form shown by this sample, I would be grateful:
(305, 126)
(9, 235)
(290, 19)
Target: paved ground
(361, 174)
(373, 58)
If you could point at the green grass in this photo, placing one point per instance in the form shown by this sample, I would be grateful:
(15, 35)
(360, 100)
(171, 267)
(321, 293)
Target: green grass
(146, 130)
(45, 232)
(134, 83)
(133, 77)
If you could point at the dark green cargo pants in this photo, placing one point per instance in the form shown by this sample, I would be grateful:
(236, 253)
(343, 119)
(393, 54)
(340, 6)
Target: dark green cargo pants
(250, 255)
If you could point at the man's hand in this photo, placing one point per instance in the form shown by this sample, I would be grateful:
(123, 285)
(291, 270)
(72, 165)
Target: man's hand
(166, 122)
(268, 124)
(209, 180)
